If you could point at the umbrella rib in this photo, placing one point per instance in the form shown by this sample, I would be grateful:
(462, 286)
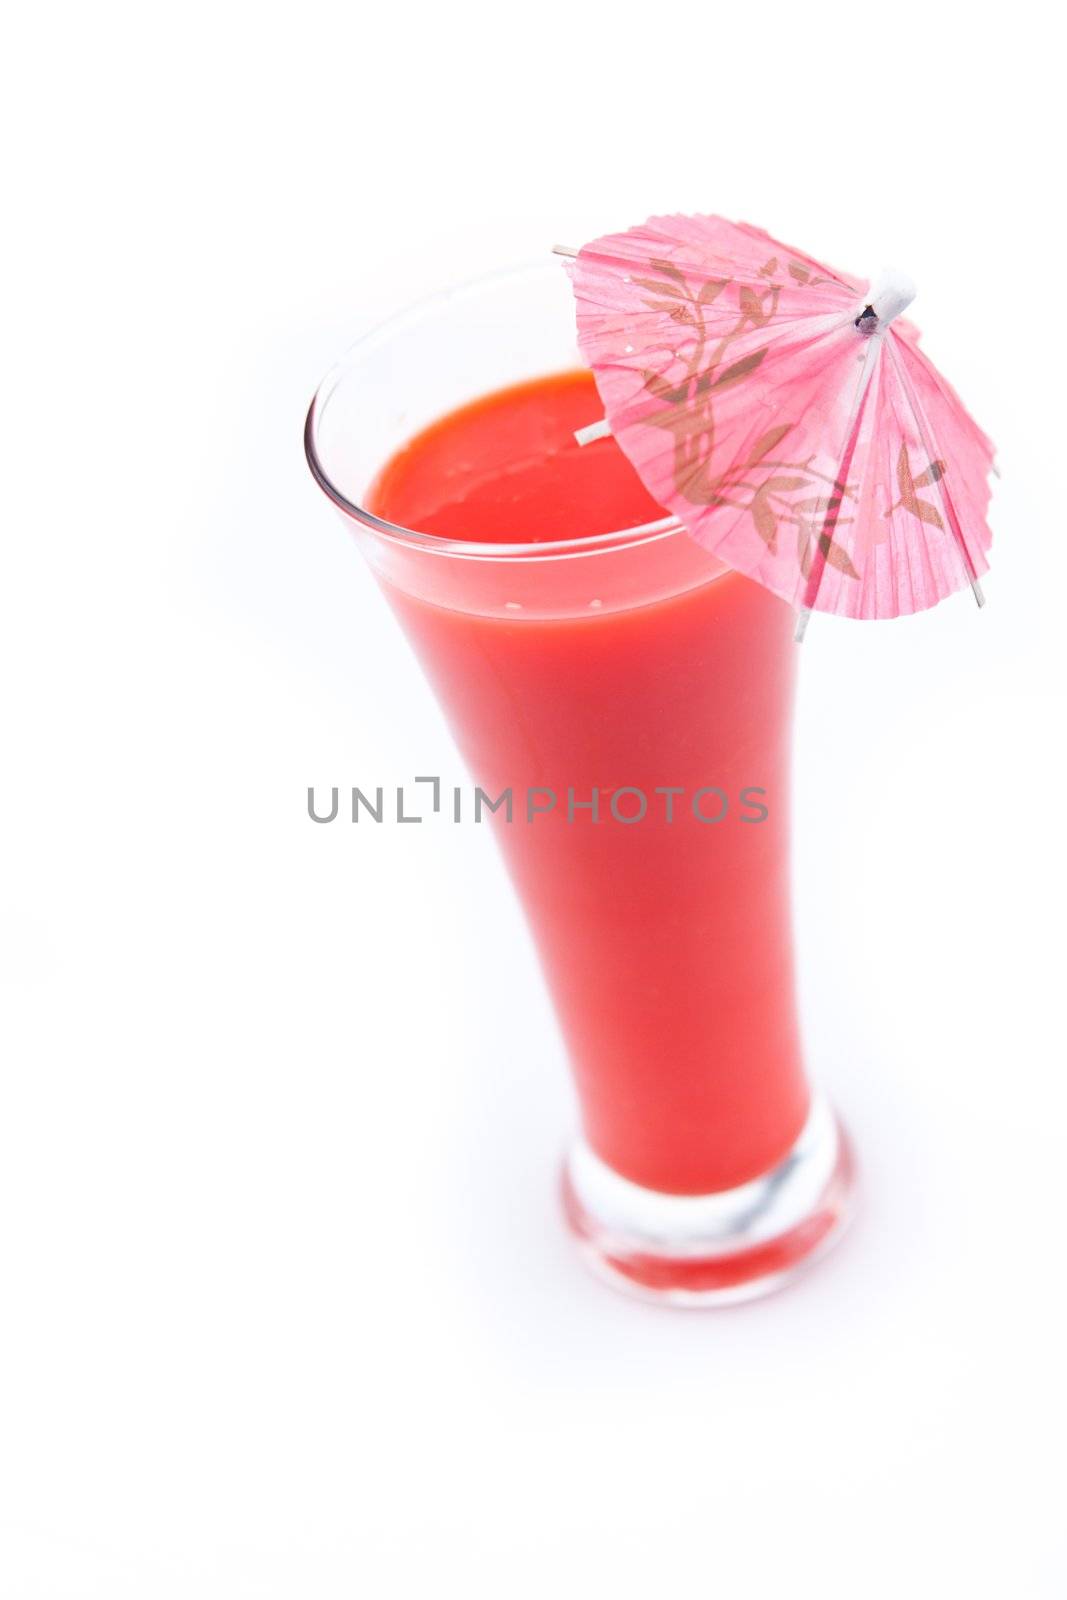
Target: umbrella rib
(801, 256)
(942, 491)
(852, 431)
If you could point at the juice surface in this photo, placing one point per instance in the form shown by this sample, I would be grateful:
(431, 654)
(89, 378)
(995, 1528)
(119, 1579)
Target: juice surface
(666, 942)
(507, 469)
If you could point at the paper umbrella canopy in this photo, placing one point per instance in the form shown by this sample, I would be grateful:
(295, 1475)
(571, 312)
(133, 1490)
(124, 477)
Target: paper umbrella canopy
(786, 415)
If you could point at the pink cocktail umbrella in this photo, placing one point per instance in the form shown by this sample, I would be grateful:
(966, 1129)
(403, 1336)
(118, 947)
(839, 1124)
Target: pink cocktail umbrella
(785, 413)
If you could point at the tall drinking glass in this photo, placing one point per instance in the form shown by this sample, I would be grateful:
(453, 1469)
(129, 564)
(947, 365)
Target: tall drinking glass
(625, 703)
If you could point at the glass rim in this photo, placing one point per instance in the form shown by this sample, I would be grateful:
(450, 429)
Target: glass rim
(471, 549)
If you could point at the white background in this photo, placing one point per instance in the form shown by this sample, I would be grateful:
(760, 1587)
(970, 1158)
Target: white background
(285, 1307)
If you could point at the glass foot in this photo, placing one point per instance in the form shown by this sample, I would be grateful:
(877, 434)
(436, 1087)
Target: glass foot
(714, 1249)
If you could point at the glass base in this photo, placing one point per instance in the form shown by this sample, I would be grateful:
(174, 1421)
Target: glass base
(714, 1249)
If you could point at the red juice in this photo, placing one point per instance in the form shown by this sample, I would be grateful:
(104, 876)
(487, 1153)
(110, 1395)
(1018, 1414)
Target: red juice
(665, 939)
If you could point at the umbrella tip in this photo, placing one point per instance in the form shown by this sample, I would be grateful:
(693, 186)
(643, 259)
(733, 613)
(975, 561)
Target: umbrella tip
(891, 294)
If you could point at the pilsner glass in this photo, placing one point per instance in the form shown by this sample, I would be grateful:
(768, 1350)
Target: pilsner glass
(633, 667)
